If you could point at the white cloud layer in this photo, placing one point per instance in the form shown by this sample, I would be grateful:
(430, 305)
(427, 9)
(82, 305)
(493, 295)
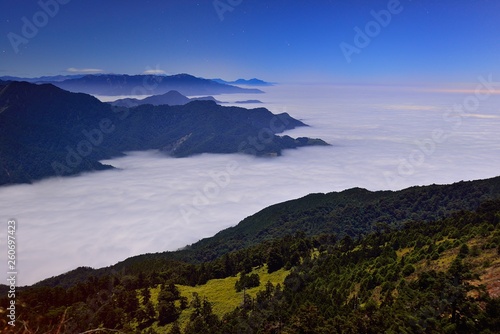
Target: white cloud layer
(84, 70)
(154, 72)
(155, 203)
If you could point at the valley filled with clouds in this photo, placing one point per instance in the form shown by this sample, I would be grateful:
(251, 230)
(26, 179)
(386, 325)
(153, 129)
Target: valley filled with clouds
(381, 138)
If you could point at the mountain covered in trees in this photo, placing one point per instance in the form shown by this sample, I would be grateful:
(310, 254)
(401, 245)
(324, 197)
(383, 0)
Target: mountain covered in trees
(122, 84)
(47, 131)
(427, 260)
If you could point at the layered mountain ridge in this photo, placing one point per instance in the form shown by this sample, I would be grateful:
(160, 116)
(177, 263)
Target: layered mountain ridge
(142, 84)
(121, 84)
(172, 98)
(47, 131)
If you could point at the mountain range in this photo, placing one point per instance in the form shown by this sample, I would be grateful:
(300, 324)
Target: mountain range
(248, 101)
(43, 79)
(56, 78)
(47, 131)
(115, 85)
(172, 98)
(122, 84)
(250, 82)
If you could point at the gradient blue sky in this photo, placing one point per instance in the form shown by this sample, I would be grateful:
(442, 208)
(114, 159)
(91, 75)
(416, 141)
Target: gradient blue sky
(283, 41)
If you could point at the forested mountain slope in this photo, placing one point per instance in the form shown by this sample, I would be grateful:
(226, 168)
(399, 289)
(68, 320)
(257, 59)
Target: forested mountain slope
(352, 212)
(427, 277)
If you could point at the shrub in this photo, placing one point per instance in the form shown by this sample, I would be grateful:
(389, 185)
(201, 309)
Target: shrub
(408, 270)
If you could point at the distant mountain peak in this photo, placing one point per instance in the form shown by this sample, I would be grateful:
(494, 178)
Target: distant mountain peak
(184, 75)
(249, 82)
(171, 98)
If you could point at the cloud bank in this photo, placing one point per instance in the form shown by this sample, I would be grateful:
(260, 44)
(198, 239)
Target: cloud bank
(154, 72)
(380, 140)
(84, 70)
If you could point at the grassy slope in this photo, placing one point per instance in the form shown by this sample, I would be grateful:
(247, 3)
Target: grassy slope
(221, 293)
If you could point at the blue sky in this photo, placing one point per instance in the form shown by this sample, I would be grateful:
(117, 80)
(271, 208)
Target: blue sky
(428, 41)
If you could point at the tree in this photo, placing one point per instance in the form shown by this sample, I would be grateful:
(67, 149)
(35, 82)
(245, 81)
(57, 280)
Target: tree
(176, 329)
(464, 250)
(247, 281)
(167, 312)
(202, 320)
(131, 303)
(307, 319)
(346, 244)
(146, 314)
(408, 270)
(111, 316)
(146, 295)
(274, 260)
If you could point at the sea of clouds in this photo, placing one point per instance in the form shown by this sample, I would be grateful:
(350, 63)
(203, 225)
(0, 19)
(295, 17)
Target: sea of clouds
(381, 137)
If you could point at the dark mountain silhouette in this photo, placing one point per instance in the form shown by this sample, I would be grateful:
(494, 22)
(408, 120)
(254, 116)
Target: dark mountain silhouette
(206, 98)
(251, 82)
(43, 79)
(248, 101)
(172, 98)
(113, 85)
(47, 131)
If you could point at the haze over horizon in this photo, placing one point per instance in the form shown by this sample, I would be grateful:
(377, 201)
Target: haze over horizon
(405, 41)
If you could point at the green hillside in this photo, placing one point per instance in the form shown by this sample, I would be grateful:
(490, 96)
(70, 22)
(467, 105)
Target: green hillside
(436, 276)
(352, 212)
